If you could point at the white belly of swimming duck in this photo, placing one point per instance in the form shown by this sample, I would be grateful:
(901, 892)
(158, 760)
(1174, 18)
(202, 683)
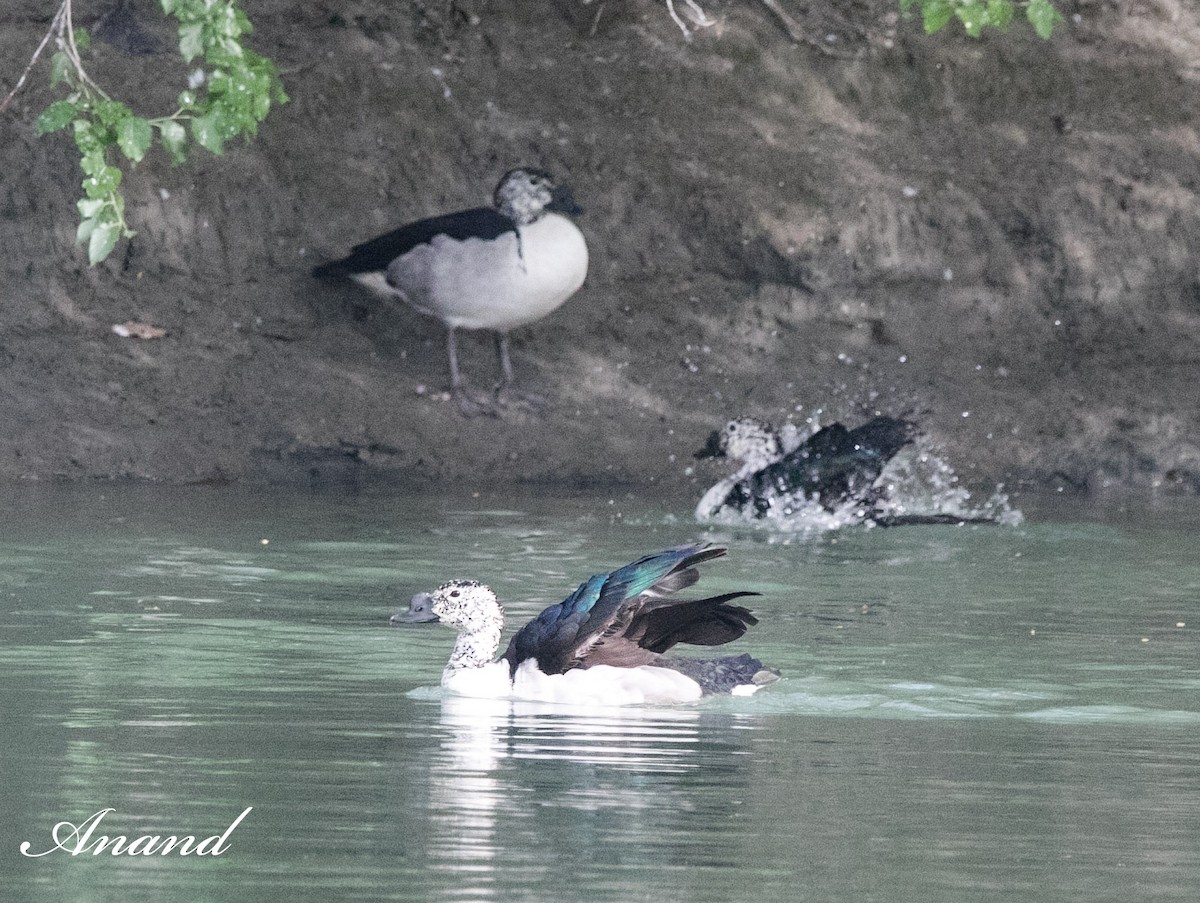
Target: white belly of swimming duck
(605, 685)
(598, 685)
(605, 643)
(490, 681)
(501, 283)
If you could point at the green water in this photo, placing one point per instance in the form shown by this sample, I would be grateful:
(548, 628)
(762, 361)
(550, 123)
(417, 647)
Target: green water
(967, 714)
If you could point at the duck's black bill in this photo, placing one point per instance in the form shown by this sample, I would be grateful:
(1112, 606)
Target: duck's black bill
(420, 611)
(561, 201)
(712, 448)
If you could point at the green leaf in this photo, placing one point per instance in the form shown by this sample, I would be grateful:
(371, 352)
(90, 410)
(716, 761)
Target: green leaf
(231, 48)
(60, 69)
(89, 207)
(57, 116)
(112, 113)
(86, 227)
(191, 40)
(973, 15)
(1000, 13)
(102, 183)
(168, 6)
(1043, 16)
(83, 40)
(92, 162)
(209, 131)
(102, 240)
(134, 136)
(936, 13)
(262, 105)
(89, 138)
(174, 137)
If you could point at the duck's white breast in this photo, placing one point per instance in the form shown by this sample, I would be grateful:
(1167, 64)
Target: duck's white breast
(499, 283)
(604, 685)
(489, 682)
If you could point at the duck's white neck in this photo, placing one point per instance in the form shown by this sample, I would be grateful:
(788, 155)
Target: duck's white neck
(476, 646)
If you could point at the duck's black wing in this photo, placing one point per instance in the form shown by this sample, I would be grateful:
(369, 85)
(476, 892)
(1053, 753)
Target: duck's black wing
(371, 256)
(834, 465)
(628, 617)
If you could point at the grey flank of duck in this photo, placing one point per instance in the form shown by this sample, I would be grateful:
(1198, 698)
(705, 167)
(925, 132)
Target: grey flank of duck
(834, 467)
(492, 268)
(604, 644)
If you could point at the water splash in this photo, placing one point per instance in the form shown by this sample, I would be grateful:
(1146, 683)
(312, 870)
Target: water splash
(917, 486)
(918, 482)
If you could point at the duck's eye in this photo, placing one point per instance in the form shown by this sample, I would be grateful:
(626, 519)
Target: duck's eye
(454, 594)
(731, 428)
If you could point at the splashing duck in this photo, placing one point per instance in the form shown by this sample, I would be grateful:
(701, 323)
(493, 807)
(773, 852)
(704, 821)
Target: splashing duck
(604, 644)
(836, 467)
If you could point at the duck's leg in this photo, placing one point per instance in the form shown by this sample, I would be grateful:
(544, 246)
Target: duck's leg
(506, 370)
(452, 354)
(504, 391)
(467, 405)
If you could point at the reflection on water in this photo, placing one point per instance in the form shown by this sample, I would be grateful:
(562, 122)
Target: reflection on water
(482, 731)
(965, 715)
(477, 782)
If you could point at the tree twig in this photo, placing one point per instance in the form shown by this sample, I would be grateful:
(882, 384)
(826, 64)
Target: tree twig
(799, 35)
(72, 51)
(56, 26)
(699, 16)
(794, 31)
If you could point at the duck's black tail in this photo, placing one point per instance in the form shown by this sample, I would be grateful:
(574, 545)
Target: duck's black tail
(881, 437)
(723, 675)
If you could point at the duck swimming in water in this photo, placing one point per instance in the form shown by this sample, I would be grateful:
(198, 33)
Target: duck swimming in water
(604, 644)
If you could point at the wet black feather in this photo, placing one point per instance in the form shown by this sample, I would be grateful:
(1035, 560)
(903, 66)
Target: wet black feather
(833, 466)
(375, 255)
(700, 622)
(629, 617)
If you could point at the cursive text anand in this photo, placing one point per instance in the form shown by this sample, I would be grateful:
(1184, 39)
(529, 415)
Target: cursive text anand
(76, 839)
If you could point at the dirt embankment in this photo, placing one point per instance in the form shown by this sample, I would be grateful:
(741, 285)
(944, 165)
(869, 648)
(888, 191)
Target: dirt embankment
(999, 236)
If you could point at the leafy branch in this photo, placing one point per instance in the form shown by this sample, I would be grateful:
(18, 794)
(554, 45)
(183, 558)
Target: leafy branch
(976, 15)
(228, 96)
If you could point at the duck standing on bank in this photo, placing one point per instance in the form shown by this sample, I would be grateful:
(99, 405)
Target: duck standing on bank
(834, 467)
(605, 643)
(494, 268)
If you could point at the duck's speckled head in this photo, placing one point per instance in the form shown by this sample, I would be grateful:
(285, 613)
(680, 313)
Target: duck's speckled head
(466, 604)
(525, 194)
(743, 439)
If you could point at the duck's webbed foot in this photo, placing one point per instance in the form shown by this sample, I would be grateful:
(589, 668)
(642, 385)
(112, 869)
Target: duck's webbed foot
(511, 399)
(473, 404)
(506, 395)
